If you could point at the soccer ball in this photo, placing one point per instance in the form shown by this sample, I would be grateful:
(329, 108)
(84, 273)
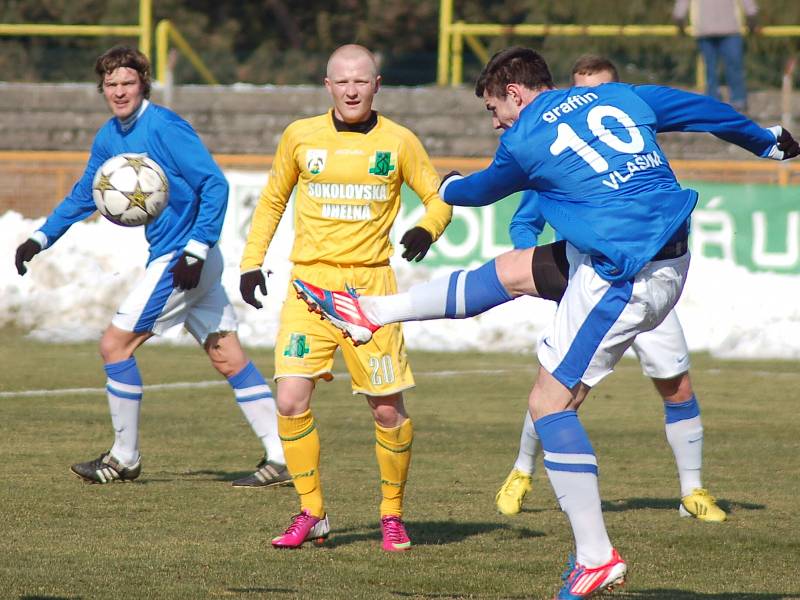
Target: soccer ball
(130, 189)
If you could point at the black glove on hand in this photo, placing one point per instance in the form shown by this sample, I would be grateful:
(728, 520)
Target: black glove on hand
(186, 272)
(25, 252)
(786, 144)
(248, 282)
(417, 242)
(450, 175)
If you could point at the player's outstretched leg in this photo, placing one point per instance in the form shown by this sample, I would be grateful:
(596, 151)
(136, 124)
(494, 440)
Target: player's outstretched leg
(459, 295)
(518, 483)
(342, 309)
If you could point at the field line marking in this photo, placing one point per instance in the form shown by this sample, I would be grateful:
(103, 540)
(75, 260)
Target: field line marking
(344, 375)
(207, 384)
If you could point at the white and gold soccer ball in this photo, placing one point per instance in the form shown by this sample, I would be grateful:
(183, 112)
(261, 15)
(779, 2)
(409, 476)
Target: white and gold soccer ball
(130, 189)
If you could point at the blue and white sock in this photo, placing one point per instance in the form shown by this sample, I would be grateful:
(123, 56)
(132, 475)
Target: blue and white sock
(571, 465)
(529, 447)
(124, 391)
(460, 295)
(255, 399)
(684, 431)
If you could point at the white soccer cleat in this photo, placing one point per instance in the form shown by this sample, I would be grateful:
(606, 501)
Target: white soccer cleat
(341, 309)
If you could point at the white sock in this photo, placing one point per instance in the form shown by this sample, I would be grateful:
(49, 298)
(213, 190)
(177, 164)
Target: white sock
(529, 447)
(254, 397)
(262, 416)
(422, 302)
(686, 439)
(579, 497)
(124, 393)
(125, 419)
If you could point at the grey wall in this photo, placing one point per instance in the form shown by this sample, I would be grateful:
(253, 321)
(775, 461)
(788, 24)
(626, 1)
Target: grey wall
(248, 120)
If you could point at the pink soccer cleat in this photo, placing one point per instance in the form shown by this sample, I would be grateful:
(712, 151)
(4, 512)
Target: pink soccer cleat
(583, 582)
(305, 527)
(341, 309)
(395, 538)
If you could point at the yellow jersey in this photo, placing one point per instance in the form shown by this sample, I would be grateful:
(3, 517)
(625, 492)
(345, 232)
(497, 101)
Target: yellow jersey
(347, 192)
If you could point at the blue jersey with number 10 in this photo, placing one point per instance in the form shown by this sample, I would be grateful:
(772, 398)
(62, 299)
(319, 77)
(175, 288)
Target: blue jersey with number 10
(604, 183)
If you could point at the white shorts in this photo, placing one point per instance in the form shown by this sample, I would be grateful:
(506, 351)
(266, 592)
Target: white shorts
(663, 352)
(596, 321)
(155, 306)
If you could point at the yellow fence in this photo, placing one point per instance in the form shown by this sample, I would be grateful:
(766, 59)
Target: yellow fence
(165, 33)
(453, 35)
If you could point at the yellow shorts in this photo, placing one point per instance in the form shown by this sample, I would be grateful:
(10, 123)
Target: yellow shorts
(305, 344)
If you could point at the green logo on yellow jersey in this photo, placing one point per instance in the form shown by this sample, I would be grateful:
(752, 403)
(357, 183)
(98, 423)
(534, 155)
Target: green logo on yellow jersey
(298, 346)
(381, 163)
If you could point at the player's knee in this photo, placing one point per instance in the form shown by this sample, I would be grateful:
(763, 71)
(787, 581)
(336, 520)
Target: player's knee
(226, 353)
(388, 411)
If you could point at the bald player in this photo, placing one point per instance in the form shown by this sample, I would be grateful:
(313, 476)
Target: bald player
(348, 166)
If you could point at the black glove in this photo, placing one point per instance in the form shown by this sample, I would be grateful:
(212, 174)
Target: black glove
(450, 175)
(752, 24)
(786, 144)
(25, 252)
(248, 282)
(417, 242)
(186, 272)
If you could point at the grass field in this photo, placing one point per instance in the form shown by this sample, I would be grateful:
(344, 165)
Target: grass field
(181, 530)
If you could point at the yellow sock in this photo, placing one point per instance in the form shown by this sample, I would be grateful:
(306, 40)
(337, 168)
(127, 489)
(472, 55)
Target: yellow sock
(393, 450)
(301, 447)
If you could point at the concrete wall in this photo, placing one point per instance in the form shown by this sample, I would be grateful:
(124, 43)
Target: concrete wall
(245, 119)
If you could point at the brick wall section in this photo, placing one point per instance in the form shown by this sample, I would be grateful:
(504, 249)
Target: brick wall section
(245, 119)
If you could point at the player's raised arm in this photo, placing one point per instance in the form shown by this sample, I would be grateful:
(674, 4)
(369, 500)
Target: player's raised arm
(678, 110)
(500, 179)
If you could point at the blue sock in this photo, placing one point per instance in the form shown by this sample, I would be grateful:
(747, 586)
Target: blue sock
(471, 293)
(684, 430)
(572, 469)
(124, 393)
(258, 406)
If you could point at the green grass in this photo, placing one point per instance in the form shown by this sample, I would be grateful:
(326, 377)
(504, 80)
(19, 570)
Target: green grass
(181, 530)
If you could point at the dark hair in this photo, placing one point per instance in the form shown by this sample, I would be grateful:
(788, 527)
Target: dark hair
(122, 56)
(589, 64)
(513, 65)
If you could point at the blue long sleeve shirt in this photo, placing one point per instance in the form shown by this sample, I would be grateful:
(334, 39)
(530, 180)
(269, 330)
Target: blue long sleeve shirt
(198, 191)
(603, 182)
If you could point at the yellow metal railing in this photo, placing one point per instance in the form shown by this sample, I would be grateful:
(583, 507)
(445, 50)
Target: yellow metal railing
(166, 32)
(453, 34)
(142, 30)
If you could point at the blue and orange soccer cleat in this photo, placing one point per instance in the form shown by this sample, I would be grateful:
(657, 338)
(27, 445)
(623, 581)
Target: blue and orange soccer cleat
(583, 582)
(341, 309)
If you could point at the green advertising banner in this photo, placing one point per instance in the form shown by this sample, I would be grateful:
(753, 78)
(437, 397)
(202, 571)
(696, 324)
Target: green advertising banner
(755, 226)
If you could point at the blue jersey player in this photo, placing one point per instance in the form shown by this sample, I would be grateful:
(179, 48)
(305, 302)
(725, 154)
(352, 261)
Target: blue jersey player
(605, 185)
(181, 284)
(662, 353)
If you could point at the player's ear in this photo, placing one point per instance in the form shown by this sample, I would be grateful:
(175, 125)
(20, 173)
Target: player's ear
(378, 81)
(514, 90)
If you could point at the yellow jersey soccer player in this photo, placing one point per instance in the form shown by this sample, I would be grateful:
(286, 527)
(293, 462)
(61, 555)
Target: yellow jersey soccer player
(347, 166)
